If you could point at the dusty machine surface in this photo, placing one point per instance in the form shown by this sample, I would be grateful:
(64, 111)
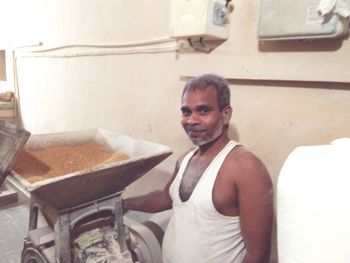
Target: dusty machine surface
(12, 139)
(83, 210)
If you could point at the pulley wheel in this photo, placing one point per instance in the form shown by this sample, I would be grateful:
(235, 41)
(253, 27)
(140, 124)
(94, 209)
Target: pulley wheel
(31, 255)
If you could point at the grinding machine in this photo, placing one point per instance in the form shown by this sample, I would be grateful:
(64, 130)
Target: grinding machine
(78, 217)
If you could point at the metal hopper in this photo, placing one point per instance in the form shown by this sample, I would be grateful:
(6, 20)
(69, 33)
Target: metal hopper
(12, 139)
(87, 185)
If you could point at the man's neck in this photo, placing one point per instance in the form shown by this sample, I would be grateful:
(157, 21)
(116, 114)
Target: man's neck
(213, 147)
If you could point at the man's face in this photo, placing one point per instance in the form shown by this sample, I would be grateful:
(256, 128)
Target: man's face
(201, 117)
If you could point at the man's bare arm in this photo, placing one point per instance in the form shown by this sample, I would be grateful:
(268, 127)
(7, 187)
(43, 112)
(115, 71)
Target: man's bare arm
(255, 193)
(153, 202)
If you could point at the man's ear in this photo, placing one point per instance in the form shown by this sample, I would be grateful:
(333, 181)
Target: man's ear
(227, 112)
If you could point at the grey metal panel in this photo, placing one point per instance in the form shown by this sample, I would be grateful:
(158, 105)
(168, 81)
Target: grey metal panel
(12, 139)
(297, 19)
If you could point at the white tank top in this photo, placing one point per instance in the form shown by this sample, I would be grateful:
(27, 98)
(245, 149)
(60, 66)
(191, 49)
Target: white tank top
(197, 232)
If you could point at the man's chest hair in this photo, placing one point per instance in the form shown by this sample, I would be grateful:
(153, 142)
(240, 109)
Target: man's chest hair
(192, 174)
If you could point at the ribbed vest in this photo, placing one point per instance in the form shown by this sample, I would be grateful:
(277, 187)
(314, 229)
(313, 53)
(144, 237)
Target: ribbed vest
(197, 232)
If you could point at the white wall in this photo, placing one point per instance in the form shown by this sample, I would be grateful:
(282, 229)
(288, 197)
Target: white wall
(283, 94)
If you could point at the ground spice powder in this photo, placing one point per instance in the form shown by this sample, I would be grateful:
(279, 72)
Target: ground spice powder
(37, 165)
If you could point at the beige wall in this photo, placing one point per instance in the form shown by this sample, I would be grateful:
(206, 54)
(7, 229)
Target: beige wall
(2, 65)
(283, 94)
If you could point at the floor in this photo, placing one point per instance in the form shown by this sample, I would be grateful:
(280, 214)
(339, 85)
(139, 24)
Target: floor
(14, 227)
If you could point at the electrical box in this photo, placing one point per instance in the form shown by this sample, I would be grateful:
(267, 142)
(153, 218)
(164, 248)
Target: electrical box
(290, 19)
(207, 19)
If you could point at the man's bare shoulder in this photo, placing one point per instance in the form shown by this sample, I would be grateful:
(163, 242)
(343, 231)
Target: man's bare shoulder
(241, 156)
(244, 165)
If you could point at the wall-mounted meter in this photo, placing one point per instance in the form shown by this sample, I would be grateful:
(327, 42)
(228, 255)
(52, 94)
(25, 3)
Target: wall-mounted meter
(290, 19)
(207, 19)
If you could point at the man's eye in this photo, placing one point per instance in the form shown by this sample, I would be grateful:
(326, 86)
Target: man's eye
(203, 111)
(186, 113)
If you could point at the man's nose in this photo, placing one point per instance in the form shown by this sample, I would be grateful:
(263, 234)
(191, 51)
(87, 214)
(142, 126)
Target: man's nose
(193, 119)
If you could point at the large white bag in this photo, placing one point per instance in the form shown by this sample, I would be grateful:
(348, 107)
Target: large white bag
(313, 205)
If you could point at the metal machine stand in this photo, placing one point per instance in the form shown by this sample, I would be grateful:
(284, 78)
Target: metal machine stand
(64, 221)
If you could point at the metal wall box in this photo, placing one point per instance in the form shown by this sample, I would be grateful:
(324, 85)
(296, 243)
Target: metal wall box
(205, 19)
(289, 19)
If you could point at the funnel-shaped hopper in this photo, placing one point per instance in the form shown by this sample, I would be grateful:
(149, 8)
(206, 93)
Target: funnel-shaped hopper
(12, 140)
(87, 185)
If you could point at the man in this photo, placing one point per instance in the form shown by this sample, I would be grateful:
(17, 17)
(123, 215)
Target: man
(221, 193)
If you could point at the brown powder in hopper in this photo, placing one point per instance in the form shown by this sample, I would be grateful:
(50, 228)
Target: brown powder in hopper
(37, 165)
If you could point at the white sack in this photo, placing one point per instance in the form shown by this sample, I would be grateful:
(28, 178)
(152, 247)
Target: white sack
(313, 205)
